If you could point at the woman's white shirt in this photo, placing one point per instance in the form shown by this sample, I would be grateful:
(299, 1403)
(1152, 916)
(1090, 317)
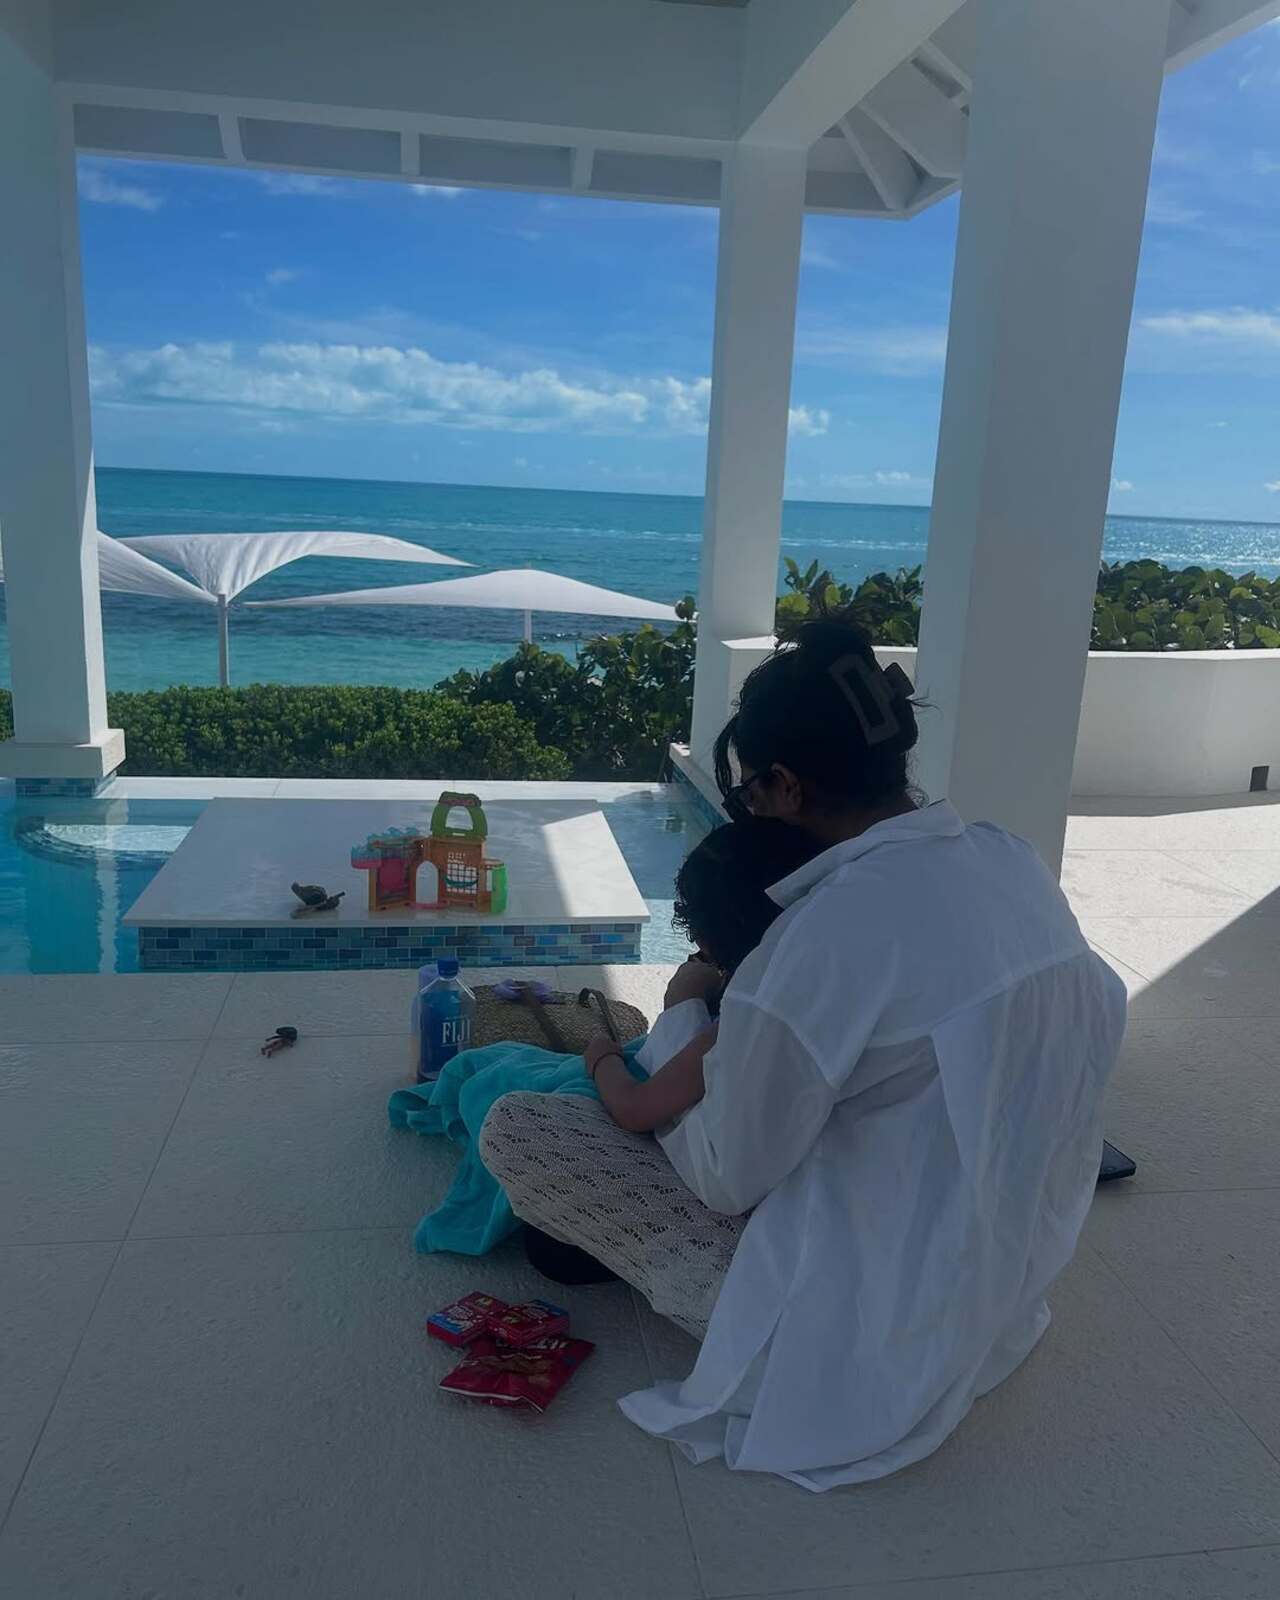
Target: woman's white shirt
(906, 1086)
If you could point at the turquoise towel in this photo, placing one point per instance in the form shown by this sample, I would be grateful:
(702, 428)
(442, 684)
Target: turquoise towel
(476, 1214)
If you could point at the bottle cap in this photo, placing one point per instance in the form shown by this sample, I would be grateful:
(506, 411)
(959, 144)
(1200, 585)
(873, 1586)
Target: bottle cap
(447, 966)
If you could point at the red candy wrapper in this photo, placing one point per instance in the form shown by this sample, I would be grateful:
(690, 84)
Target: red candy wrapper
(520, 1325)
(466, 1319)
(531, 1376)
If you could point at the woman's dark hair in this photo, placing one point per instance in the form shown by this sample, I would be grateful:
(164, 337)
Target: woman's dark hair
(821, 706)
(721, 899)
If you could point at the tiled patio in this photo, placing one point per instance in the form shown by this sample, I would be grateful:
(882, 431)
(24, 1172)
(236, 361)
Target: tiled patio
(215, 1381)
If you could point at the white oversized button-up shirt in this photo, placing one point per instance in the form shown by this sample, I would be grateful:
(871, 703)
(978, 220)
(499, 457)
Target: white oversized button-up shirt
(907, 1087)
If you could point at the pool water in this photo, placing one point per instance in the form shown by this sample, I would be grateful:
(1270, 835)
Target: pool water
(71, 869)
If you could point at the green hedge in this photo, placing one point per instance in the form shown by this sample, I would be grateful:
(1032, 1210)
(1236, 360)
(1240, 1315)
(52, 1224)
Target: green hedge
(321, 731)
(1139, 605)
(1142, 605)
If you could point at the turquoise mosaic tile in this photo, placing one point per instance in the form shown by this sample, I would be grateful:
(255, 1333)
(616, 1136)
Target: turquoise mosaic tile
(166, 949)
(59, 788)
(690, 793)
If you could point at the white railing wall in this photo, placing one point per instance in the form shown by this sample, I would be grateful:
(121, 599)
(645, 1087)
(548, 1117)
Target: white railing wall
(1182, 723)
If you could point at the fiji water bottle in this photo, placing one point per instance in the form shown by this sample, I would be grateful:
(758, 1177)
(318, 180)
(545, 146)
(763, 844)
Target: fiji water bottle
(446, 1017)
(425, 975)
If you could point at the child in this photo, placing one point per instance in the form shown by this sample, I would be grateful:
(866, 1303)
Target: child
(722, 902)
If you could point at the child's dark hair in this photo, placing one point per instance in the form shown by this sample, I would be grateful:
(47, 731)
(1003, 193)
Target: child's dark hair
(720, 890)
(821, 706)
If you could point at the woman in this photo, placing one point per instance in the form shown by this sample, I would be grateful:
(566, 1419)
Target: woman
(901, 1109)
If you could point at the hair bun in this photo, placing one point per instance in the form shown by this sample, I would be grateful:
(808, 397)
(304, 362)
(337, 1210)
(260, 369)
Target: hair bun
(825, 640)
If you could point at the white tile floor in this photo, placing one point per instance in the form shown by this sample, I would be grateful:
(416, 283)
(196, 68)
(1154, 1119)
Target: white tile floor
(214, 1381)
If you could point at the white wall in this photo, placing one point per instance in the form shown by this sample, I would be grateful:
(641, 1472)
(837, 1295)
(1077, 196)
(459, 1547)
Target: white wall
(1182, 723)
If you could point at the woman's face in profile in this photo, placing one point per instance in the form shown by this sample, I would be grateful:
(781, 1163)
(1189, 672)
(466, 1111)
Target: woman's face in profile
(775, 793)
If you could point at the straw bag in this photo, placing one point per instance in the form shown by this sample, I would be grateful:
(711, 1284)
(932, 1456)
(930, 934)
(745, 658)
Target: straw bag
(563, 1025)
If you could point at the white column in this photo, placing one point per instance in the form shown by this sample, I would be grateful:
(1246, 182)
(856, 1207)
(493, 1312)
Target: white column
(48, 518)
(761, 214)
(1055, 183)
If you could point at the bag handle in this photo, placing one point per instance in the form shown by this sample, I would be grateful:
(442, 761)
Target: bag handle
(586, 996)
(554, 1037)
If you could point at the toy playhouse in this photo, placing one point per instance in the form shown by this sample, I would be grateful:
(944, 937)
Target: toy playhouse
(467, 879)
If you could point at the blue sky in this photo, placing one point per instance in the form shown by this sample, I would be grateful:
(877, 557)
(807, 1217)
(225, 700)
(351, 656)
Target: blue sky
(279, 323)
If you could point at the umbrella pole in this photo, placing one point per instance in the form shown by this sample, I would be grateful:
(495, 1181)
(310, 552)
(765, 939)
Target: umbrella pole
(528, 627)
(224, 643)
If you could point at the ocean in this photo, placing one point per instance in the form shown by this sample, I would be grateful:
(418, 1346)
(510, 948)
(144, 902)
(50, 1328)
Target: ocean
(644, 544)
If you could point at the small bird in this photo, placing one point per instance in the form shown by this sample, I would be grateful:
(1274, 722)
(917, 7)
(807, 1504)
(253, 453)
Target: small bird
(315, 898)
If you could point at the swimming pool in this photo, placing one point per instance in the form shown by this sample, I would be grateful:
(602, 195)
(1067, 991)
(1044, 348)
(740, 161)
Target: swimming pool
(71, 869)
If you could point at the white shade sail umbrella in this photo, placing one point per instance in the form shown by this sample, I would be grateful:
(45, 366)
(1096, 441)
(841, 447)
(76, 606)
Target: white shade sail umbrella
(519, 589)
(224, 564)
(125, 571)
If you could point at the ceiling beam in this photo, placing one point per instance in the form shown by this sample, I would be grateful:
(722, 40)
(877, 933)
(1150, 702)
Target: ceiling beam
(954, 47)
(229, 130)
(580, 164)
(883, 161)
(803, 68)
(846, 194)
(1213, 23)
(914, 111)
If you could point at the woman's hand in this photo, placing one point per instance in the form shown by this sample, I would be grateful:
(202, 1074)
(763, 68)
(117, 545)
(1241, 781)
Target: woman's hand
(598, 1047)
(695, 980)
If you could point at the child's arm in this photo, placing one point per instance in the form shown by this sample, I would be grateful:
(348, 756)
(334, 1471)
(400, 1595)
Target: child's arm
(642, 1107)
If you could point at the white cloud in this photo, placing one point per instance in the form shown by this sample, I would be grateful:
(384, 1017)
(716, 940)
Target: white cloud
(808, 422)
(298, 183)
(813, 255)
(1121, 485)
(435, 191)
(1265, 164)
(1233, 325)
(97, 187)
(1273, 487)
(1172, 151)
(1231, 340)
(1217, 424)
(896, 352)
(407, 385)
(684, 404)
(1166, 210)
(883, 478)
(279, 275)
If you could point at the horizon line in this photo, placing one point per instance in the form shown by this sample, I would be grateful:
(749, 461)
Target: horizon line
(655, 494)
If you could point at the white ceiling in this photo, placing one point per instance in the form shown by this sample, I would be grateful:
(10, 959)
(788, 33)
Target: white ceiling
(628, 99)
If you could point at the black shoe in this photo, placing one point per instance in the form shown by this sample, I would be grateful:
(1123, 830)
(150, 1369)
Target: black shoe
(1115, 1164)
(563, 1263)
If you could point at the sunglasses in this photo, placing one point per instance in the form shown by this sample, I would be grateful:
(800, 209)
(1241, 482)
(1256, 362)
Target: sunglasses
(737, 801)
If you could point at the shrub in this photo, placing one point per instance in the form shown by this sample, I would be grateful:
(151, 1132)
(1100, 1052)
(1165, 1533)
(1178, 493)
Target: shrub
(322, 731)
(886, 605)
(1142, 605)
(614, 710)
(1139, 605)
